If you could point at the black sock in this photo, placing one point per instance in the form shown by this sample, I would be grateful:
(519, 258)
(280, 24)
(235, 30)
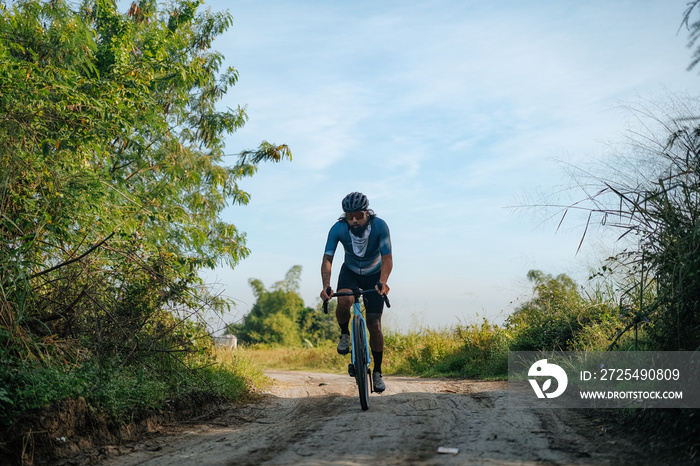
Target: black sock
(377, 356)
(345, 328)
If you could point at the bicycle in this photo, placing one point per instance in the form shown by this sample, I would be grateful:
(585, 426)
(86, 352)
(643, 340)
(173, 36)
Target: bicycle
(360, 355)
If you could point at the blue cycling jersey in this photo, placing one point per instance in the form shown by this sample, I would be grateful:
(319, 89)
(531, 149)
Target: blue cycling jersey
(362, 255)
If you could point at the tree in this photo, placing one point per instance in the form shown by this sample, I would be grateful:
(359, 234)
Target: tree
(542, 323)
(280, 317)
(561, 317)
(112, 172)
(273, 316)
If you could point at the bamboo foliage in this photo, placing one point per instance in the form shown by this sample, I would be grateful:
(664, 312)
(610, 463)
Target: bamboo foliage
(653, 199)
(113, 175)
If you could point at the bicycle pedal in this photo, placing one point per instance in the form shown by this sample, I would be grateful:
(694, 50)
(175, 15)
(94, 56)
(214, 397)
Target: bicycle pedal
(351, 370)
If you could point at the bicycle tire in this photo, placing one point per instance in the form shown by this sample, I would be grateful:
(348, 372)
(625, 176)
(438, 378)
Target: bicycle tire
(359, 342)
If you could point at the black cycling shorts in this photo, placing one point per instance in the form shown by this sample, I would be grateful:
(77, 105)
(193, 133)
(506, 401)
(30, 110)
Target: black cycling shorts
(374, 304)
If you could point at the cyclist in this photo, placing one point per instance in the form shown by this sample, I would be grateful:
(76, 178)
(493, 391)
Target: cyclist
(368, 263)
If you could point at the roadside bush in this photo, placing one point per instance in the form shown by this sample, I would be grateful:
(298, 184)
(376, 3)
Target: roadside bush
(559, 318)
(118, 389)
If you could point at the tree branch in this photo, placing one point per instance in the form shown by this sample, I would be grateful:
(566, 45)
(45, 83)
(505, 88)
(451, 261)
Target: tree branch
(56, 267)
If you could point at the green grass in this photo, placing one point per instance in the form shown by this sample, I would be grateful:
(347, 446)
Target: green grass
(322, 358)
(118, 390)
(465, 351)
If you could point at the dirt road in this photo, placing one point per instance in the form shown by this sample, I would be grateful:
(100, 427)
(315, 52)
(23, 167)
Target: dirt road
(315, 419)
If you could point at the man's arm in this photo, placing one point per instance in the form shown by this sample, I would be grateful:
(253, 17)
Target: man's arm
(326, 267)
(387, 265)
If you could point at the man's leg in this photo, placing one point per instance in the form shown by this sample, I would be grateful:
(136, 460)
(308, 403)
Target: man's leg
(376, 342)
(346, 282)
(342, 314)
(376, 339)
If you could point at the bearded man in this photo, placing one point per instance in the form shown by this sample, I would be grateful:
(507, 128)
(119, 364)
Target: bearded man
(368, 263)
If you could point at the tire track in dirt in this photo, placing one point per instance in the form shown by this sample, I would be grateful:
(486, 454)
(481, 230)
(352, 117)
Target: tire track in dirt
(315, 419)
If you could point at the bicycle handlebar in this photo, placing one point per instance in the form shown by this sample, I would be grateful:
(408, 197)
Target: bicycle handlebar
(357, 292)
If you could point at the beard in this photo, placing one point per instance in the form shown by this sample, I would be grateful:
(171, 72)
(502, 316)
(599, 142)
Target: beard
(358, 230)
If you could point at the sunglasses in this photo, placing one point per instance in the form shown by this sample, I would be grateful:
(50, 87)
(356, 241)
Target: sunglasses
(356, 215)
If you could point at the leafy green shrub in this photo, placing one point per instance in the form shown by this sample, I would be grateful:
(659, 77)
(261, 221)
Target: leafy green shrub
(559, 318)
(119, 389)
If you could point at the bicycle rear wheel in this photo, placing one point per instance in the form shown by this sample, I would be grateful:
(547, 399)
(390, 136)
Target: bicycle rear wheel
(359, 345)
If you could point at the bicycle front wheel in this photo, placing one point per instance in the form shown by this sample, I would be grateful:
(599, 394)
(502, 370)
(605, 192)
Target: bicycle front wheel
(359, 345)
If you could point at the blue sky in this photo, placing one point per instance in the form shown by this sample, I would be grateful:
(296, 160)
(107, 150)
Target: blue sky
(444, 113)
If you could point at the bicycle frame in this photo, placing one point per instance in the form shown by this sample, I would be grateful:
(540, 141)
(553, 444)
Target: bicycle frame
(357, 313)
